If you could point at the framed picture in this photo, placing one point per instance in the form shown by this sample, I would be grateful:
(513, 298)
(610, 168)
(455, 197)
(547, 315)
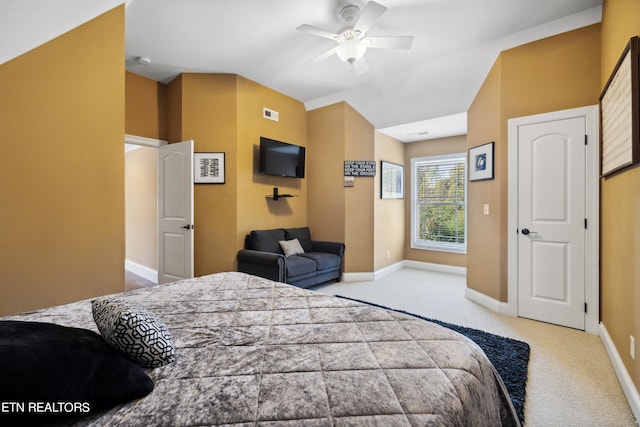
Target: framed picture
(481, 162)
(620, 114)
(391, 181)
(208, 168)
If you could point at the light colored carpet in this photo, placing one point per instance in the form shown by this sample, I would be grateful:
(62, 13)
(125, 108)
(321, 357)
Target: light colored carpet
(571, 381)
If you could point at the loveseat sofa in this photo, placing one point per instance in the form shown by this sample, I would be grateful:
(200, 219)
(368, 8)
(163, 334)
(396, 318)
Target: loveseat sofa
(303, 263)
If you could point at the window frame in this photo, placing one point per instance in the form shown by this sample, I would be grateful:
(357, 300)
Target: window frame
(458, 248)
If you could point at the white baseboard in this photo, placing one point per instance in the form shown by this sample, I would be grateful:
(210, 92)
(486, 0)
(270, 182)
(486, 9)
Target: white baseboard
(141, 270)
(388, 270)
(438, 268)
(488, 302)
(378, 274)
(358, 277)
(630, 390)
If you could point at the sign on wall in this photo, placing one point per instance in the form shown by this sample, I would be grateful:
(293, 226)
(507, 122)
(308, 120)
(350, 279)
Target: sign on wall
(359, 168)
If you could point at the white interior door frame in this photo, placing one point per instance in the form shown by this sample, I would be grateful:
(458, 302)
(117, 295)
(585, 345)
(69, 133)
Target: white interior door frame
(592, 265)
(141, 140)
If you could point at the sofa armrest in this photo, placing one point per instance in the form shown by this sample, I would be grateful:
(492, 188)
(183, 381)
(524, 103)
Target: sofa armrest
(328, 247)
(260, 257)
(264, 264)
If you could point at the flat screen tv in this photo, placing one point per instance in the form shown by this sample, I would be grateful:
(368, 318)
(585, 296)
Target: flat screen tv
(281, 159)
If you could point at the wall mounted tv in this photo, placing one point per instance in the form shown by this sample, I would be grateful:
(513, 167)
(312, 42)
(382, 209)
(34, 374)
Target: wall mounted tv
(281, 159)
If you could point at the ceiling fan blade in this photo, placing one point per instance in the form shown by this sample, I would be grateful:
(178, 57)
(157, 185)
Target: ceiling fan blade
(317, 32)
(321, 57)
(360, 67)
(372, 11)
(392, 42)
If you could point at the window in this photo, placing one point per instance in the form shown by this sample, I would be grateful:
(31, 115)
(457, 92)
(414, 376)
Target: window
(438, 203)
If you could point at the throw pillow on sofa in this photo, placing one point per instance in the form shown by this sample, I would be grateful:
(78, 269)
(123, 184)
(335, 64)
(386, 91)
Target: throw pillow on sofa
(291, 247)
(303, 234)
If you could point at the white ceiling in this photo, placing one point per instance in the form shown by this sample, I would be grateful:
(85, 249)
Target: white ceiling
(405, 94)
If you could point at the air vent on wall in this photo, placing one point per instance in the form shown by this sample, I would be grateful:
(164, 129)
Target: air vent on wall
(270, 114)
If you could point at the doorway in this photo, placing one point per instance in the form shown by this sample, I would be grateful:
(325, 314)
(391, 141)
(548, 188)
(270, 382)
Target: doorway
(554, 218)
(141, 202)
(159, 202)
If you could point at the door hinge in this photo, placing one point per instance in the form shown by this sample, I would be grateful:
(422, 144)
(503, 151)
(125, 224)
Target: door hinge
(585, 307)
(585, 224)
(585, 140)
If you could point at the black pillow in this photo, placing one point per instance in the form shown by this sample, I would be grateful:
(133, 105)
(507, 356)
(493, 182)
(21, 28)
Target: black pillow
(51, 371)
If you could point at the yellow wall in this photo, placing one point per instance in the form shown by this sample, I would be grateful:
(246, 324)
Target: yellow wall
(208, 114)
(255, 210)
(389, 235)
(325, 170)
(62, 168)
(433, 147)
(620, 208)
(484, 244)
(552, 74)
(174, 110)
(337, 133)
(359, 199)
(223, 113)
(145, 107)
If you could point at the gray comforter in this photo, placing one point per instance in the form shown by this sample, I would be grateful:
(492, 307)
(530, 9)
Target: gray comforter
(255, 352)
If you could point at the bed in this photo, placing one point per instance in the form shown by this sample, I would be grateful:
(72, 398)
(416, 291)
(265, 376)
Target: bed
(250, 351)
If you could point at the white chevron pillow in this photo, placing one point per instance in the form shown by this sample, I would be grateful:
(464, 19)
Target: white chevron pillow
(136, 331)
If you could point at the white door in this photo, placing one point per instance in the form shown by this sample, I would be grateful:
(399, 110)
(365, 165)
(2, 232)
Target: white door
(175, 212)
(552, 221)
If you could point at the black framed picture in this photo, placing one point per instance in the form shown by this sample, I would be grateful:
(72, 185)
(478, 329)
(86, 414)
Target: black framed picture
(481, 162)
(208, 168)
(391, 181)
(620, 114)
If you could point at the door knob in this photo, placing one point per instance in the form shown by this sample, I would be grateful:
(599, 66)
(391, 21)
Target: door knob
(526, 231)
(187, 227)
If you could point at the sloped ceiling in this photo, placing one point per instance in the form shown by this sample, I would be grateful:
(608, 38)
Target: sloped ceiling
(411, 95)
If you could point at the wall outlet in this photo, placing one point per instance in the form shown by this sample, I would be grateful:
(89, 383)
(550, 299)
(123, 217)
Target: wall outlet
(486, 208)
(388, 253)
(632, 347)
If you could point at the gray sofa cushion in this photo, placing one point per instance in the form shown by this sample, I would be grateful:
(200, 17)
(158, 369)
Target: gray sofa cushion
(268, 240)
(302, 234)
(298, 265)
(323, 260)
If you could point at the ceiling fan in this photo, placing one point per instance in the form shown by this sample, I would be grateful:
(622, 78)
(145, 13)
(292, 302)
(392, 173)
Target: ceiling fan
(353, 42)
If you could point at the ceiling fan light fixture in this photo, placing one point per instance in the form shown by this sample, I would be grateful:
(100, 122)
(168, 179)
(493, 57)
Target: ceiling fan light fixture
(350, 51)
(352, 42)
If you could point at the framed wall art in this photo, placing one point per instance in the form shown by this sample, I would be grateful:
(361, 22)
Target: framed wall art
(481, 162)
(208, 168)
(391, 181)
(620, 114)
